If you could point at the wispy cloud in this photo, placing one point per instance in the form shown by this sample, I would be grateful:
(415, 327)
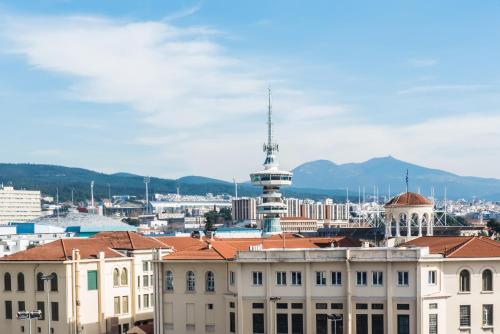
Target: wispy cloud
(423, 62)
(426, 89)
(183, 12)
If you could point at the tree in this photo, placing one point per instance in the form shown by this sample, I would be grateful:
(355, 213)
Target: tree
(217, 217)
(494, 226)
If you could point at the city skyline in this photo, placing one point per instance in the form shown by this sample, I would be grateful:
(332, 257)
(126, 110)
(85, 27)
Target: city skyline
(167, 89)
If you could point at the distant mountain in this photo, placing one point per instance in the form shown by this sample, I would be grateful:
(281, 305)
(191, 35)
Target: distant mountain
(192, 179)
(388, 171)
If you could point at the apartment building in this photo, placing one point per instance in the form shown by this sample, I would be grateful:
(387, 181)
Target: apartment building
(99, 285)
(287, 284)
(19, 205)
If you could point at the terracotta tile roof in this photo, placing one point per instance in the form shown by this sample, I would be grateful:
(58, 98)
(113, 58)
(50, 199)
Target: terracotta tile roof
(227, 248)
(408, 198)
(458, 247)
(126, 240)
(61, 250)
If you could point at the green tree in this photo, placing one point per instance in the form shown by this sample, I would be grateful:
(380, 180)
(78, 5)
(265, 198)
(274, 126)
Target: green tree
(494, 226)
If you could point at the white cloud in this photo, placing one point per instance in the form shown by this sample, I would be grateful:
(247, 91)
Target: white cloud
(423, 62)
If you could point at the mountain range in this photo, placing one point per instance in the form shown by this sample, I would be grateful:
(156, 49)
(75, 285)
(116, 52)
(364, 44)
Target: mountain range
(316, 179)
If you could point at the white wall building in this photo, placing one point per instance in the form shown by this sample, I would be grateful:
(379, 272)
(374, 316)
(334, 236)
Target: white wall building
(19, 205)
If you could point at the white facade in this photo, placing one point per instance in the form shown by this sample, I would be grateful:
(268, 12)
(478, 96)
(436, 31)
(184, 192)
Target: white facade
(19, 205)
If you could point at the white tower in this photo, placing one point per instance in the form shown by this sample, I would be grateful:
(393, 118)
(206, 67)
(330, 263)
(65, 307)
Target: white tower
(271, 179)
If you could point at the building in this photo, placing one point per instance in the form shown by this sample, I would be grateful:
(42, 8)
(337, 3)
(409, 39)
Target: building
(102, 284)
(410, 211)
(19, 205)
(271, 179)
(244, 209)
(299, 224)
(287, 284)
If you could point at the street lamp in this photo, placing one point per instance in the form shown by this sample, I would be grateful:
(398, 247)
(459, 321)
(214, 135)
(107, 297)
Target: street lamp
(28, 315)
(273, 321)
(48, 278)
(334, 318)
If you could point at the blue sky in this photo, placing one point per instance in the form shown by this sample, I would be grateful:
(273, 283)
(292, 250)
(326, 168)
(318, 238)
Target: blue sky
(173, 88)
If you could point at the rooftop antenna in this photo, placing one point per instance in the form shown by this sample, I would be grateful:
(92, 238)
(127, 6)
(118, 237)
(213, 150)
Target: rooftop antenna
(147, 179)
(445, 206)
(235, 188)
(406, 179)
(92, 193)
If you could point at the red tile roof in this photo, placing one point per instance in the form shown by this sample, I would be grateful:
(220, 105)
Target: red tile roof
(61, 250)
(458, 247)
(126, 240)
(408, 198)
(227, 248)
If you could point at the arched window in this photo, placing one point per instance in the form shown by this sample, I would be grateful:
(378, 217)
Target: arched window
(464, 281)
(39, 282)
(209, 281)
(487, 280)
(116, 277)
(54, 284)
(124, 277)
(190, 281)
(169, 281)
(20, 282)
(7, 282)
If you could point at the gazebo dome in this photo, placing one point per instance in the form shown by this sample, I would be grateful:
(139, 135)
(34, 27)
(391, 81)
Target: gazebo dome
(408, 199)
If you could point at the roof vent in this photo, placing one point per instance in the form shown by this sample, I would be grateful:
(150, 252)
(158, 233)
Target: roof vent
(258, 247)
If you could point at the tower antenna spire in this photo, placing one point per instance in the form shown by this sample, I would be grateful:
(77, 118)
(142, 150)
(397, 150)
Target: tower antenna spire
(269, 120)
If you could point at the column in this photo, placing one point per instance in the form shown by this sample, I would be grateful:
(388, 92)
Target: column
(398, 228)
(388, 228)
(420, 227)
(408, 226)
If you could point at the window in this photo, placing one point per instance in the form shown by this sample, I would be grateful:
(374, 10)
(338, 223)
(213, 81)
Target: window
(377, 278)
(54, 284)
(431, 277)
(321, 324)
(8, 309)
(145, 280)
(39, 282)
(257, 278)
(258, 305)
(403, 324)
(91, 280)
(282, 323)
(124, 277)
(297, 306)
(139, 281)
(281, 278)
(403, 307)
(258, 323)
(464, 315)
(232, 278)
(403, 278)
(145, 266)
(54, 311)
(116, 277)
(139, 299)
(433, 323)
(232, 322)
(377, 324)
(361, 323)
(464, 281)
(297, 323)
(21, 306)
(125, 304)
(487, 278)
(321, 306)
(361, 306)
(488, 315)
(116, 304)
(433, 306)
(7, 282)
(231, 305)
(190, 281)
(145, 299)
(169, 281)
(336, 306)
(40, 306)
(336, 278)
(20, 282)
(361, 278)
(282, 306)
(209, 281)
(296, 278)
(320, 278)
(377, 306)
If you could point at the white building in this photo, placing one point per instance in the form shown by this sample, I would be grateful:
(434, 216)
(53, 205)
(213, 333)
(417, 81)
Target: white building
(19, 205)
(318, 285)
(244, 209)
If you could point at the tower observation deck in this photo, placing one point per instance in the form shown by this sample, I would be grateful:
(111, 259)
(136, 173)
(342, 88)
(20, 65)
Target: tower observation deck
(271, 179)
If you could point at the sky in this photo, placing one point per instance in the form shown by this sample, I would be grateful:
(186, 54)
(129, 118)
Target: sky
(175, 88)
